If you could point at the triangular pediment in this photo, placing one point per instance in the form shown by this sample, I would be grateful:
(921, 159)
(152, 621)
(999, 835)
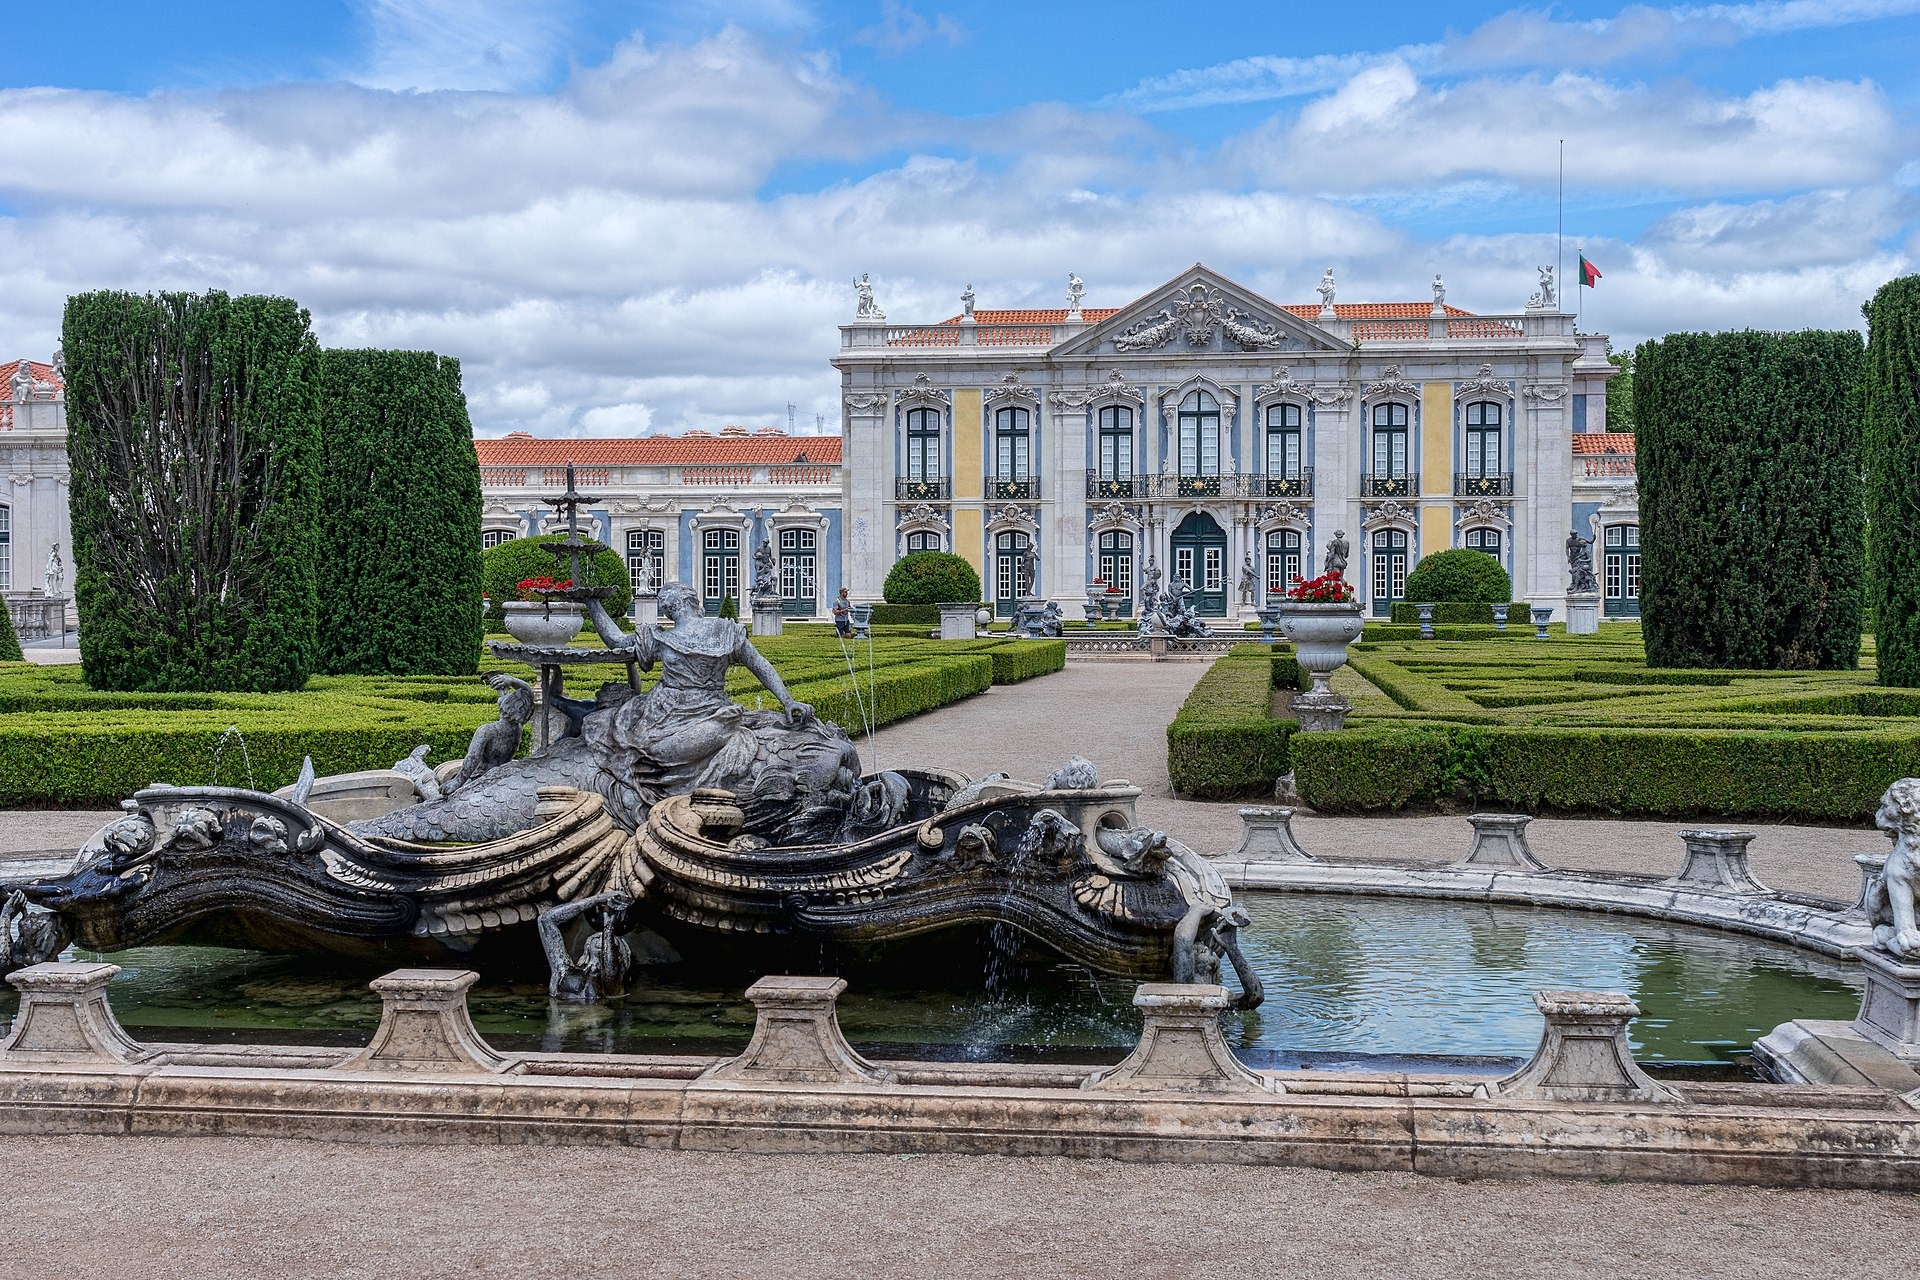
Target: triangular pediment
(1201, 312)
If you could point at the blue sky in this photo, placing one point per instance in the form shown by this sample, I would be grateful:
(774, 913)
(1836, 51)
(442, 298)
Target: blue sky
(632, 215)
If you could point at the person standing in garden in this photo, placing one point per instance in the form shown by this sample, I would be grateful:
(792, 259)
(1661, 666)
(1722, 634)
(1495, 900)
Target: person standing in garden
(843, 614)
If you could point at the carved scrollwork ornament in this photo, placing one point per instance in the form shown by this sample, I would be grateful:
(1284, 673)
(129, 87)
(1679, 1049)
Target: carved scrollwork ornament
(1011, 517)
(1389, 512)
(1011, 388)
(1392, 383)
(1486, 382)
(866, 401)
(1281, 513)
(1485, 513)
(923, 392)
(1546, 392)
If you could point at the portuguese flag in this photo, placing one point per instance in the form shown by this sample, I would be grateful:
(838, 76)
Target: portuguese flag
(1588, 272)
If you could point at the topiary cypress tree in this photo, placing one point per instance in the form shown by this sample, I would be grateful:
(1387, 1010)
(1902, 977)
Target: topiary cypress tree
(193, 437)
(9, 638)
(399, 567)
(1892, 454)
(1751, 513)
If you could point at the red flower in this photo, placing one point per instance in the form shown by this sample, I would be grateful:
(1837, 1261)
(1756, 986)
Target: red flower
(1328, 588)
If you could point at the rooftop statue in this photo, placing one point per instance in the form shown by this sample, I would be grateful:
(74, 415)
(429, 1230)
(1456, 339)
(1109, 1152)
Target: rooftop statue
(1326, 288)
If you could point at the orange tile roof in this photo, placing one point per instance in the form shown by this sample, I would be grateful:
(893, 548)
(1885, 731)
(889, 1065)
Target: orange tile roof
(1373, 310)
(1603, 442)
(42, 372)
(519, 449)
(1036, 315)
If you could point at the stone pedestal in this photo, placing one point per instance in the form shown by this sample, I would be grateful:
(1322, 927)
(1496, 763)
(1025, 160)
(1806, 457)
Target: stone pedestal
(1181, 1048)
(1321, 712)
(646, 608)
(1426, 620)
(1542, 615)
(1717, 860)
(1583, 1054)
(797, 1037)
(1269, 835)
(767, 618)
(65, 1020)
(425, 1027)
(1890, 1009)
(1500, 840)
(956, 621)
(1583, 614)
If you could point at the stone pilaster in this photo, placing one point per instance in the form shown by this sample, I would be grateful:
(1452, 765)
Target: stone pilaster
(1181, 1048)
(1500, 840)
(797, 1038)
(424, 1026)
(1583, 1054)
(1890, 1006)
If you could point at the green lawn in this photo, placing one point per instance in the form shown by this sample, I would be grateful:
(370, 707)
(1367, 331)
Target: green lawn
(62, 743)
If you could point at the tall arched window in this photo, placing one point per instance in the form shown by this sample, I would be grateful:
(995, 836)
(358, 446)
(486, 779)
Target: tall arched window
(923, 453)
(1392, 475)
(1286, 453)
(1116, 443)
(1199, 435)
(6, 549)
(1484, 474)
(1012, 453)
(1115, 561)
(1284, 560)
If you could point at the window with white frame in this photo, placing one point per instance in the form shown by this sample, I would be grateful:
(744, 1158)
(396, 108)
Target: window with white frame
(1009, 547)
(922, 540)
(646, 558)
(720, 566)
(1114, 563)
(1199, 435)
(1621, 561)
(1487, 540)
(1284, 560)
(1483, 439)
(1283, 441)
(1012, 444)
(1390, 441)
(1116, 443)
(491, 538)
(799, 567)
(6, 549)
(923, 445)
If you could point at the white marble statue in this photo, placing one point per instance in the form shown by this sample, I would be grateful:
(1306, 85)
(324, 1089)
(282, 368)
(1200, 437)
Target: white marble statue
(867, 309)
(1439, 291)
(1892, 894)
(966, 301)
(1076, 288)
(1249, 580)
(56, 571)
(1325, 289)
(22, 382)
(1547, 297)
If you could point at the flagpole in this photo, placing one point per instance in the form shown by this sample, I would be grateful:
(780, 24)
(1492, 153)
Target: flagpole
(1560, 233)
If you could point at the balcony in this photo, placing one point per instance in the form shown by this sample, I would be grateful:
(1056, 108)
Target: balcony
(923, 490)
(1608, 466)
(1200, 486)
(1390, 486)
(1299, 486)
(1099, 486)
(1022, 490)
(1490, 485)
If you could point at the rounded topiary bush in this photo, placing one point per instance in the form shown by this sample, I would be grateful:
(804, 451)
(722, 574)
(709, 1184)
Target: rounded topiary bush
(1459, 574)
(931, 577)
(9, 641)
(503, 567)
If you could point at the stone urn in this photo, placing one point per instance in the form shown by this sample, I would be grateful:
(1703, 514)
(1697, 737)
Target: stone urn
(548, 623)
(1320, 634)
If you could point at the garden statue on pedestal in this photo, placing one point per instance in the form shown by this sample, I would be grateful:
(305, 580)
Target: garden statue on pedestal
(56, 572)
(1249, 581)
(1336, 561)
(766, 574)
(1580, 579)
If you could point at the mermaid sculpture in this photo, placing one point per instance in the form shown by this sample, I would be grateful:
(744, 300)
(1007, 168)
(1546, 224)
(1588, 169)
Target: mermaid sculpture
(795, 777)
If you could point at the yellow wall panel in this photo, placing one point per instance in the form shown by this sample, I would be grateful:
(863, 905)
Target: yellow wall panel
(1436, 439)
(968, 478)
(1436, 529)
(967, 539)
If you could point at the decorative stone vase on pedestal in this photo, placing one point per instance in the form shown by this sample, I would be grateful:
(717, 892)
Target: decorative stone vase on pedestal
(1583, 614)
(956, 620)
(1500, 617)
(1320, 635)
(1542, 615)
(1426, 621)
(646, 607)
(1096, 595)
(551, 623)
(1269, 621)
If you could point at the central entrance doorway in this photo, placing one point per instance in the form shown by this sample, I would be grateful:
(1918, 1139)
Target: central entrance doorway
(1200, 559)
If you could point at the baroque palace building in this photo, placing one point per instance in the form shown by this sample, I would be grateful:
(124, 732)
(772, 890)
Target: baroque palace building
(1205, 430)
(691, 507)
(33, 498)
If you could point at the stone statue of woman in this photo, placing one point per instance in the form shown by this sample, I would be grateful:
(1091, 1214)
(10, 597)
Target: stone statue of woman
(56, 571)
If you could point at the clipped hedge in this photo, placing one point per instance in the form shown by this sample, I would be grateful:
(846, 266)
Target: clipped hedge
(1224, 743)
(1891, 447)
(930, 577)
(1473, 613)
(906, 615)
(1020, 660)
(9, 639)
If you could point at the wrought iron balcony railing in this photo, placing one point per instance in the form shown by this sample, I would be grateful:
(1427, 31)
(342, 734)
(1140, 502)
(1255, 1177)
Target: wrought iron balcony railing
(1026, 488)
(1406, 486)
(1099, 486)
(923, 490)
(1496, 484)
(1299, 486)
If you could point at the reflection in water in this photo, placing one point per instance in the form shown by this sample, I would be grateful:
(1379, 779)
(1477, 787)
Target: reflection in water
(1344, 976)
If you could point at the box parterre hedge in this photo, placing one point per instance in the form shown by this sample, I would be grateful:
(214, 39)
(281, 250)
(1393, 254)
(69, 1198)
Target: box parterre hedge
(62, 743)
(1570, 724)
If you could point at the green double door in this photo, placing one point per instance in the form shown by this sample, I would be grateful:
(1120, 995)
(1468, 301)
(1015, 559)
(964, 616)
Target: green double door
(1199, 554)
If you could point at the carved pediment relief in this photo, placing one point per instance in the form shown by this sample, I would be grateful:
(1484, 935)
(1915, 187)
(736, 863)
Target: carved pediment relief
(1011, 388)
(923, 394)
(1010, 518)
(1485, 383)
(1392, 383)
(1285, 384)
(1484, 514)
(1201, 313)
(1389, 513)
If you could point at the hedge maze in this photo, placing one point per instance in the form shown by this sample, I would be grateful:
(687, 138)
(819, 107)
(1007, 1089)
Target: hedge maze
(62, 743)
(1583, 725)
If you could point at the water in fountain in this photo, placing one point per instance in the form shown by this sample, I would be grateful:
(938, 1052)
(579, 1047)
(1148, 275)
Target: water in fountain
(232, 732)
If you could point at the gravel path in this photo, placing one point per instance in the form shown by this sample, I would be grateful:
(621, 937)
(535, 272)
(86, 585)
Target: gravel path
(169, 1207)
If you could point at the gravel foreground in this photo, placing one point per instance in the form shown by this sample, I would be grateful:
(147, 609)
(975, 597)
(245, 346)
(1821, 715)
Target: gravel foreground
(224, 1207)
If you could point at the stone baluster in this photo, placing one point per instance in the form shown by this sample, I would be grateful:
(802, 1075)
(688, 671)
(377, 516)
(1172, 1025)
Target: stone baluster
(1583, 1054)
(65, 1020)
(797, 1038)
(1500, 840)
(1181, 1049)
(425, 1027)
(1268, 836)
(1717, 860)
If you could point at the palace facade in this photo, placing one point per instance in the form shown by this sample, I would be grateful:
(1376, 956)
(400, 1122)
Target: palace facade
(33, 498)
(1228, 440)
(692, 507)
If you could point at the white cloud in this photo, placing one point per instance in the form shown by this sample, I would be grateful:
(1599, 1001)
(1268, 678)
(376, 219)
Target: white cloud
(902, 27)
(462, 44)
